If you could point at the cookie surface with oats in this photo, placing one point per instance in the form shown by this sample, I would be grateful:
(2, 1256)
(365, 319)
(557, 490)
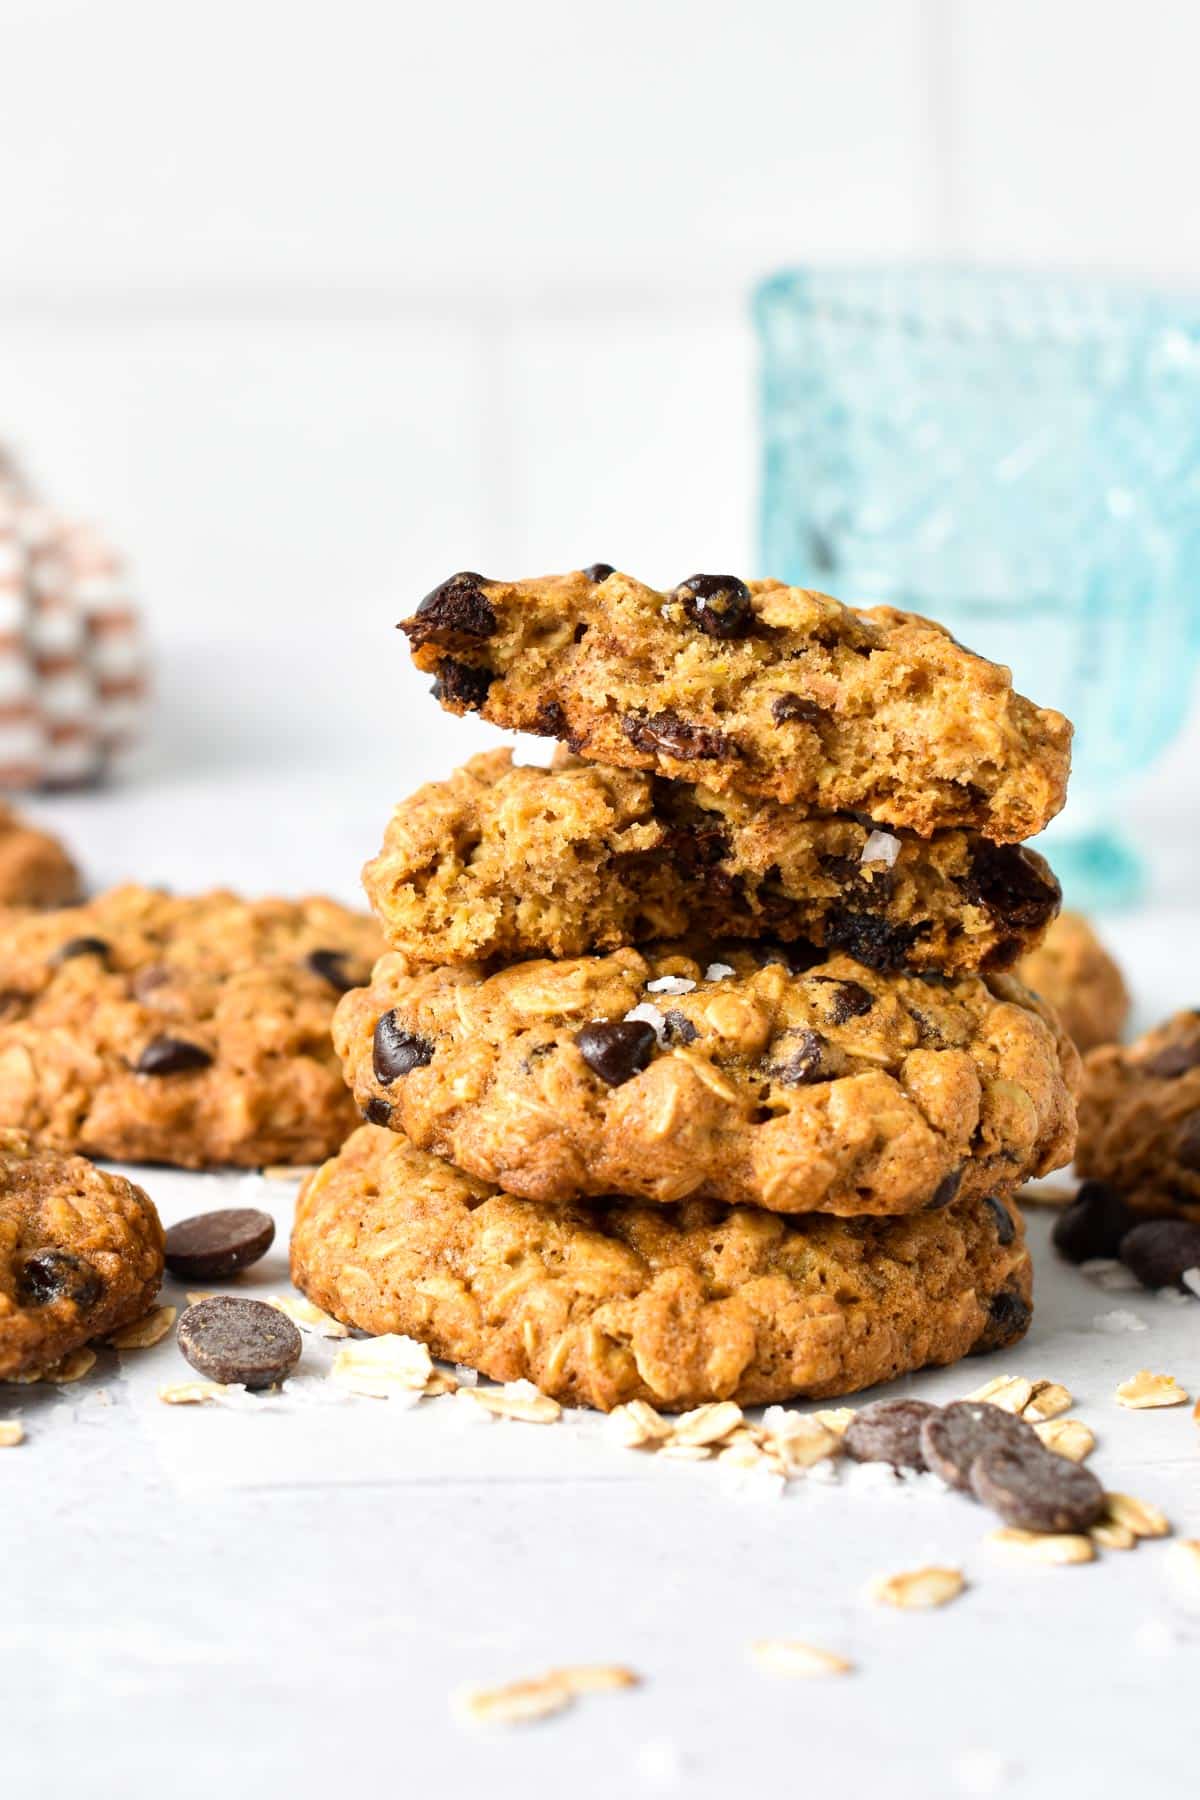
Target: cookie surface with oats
(193, 1031)
(751, 688)
(1073, 971)
(600, 1302)
(81, 1253)
(721, 1074)
(35, 869)
(510, 862)
(1139, 1118)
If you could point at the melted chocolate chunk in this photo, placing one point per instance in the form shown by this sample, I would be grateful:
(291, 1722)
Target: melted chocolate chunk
(849, 1000)
(397, 1052)
(873, 940)
(788, 707)
(719, 604)
(330, 965)
(597, 572)
(695, 847)
(172, 1056)
(616, 1049)
(1008, 1321)
(678, 1028)
(1093, 1225)
(81, 946)
(1006, 1229)
(945, 1191)
(459, 685)
(457, 609)
(551, 721)
(800, 1063)
(666, 734)
(1006, 879)
(377, 1111)
(48, 1275)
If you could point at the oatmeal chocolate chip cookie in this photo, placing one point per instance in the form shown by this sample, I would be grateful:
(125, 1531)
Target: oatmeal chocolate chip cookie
(504, 862)
(1075, 973)
(604, 1301)
(824, 1087)
(191, 1031)
(754, 689)
(81, 1253)
(35, 869)
(1139, 1118)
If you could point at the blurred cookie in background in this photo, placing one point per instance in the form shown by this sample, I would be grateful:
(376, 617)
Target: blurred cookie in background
(35, 869)
(72, 658)
(1139, 1119)
(1073, 971)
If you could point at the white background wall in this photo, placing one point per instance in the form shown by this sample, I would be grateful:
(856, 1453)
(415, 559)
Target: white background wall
(314, 302)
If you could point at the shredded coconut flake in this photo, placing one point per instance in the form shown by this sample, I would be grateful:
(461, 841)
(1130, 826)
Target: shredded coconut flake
(649, 1015)
(881, 847)
(718, 971)
(1116, 1322)
(670, 984)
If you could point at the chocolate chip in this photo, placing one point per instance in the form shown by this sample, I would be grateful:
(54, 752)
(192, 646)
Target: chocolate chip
(458, 684)
(668, 734)
(550, 720)
(800, 1064)
(1172, 1061)
(888, 1431)
(694, 847)
(1187, 1142)
(788, 707)
(172, 1056)
(1008, 1321)
(945, 1191)
(597, 572)
(457, 609)
(212, 1245)
(678, 1028)
(849, 1000)
(330, 965)
(49, 1275)
(81, 946)
(1093, 1225)
(719, 604)
(616, 1049)
(1034, 1490)
(1013, 884)
(377, 1111)
(1160, 1252)
(872, 940)
(798, 957)
(232, 1340)
(397, 1052)
(1006, 1229)
(955, 1436)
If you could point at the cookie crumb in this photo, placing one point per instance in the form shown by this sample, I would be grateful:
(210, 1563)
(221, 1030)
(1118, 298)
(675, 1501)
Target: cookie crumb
(918, 1589)
(150, 1329)
(790, 1657)
(1146, 1390)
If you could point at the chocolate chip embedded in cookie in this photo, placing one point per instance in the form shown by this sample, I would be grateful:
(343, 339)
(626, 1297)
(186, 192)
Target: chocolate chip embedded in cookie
(192, 1031)
(1075, 973)
(752, 688)
(509, 862)
(606, 1301)
(35, 869)
(1139, 1119)
(720, 1073)
(81, 1253)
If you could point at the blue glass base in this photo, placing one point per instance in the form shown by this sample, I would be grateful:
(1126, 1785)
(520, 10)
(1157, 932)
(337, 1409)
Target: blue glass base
(1097, 869)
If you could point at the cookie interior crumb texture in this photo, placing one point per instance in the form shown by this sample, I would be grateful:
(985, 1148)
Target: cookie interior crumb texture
(603, 1302)
(502, 861)
(754, 688)
(673, 1073)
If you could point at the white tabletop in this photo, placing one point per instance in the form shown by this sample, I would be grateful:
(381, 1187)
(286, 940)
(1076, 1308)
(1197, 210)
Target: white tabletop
(203, 1600)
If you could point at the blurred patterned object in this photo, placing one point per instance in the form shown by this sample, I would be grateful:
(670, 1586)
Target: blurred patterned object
(72, 655)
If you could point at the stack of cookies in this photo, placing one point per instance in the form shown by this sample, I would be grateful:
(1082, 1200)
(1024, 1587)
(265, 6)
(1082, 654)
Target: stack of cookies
(693, 1071)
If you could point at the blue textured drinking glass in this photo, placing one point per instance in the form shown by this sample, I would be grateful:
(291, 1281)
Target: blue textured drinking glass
(1018, 457)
